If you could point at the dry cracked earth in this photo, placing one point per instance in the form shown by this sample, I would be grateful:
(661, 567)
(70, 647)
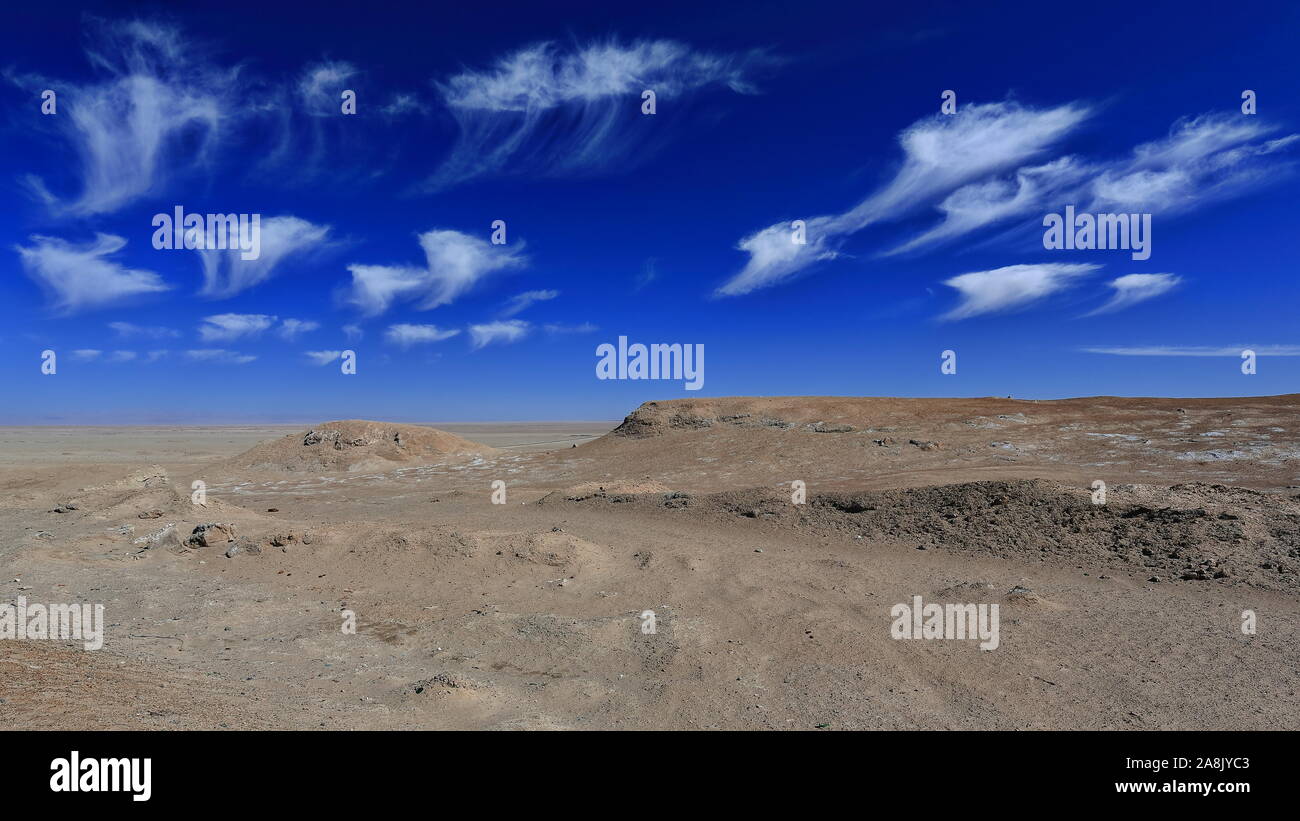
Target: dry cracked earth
(768, 614)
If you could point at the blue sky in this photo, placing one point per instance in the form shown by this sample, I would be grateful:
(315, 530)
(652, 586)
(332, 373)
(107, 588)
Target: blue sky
(924, 231)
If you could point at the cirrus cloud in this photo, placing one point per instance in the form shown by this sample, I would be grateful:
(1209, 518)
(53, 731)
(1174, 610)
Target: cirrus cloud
(940, 153)
(1134, 288)
(80, 277)
(128, 330)
(323, 357)
(226, 272)
(1196, 350)
(554, 111)
(1012, 287)
(291, 329)
(219, 356)
(221, 327)
(503, 332)
(521, 302)
(454, 263)
(406, 334)
(157, 96)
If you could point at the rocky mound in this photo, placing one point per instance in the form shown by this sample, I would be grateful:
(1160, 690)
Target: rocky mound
(353, 445)
(882, 441)
(820, 414)
(848, 414)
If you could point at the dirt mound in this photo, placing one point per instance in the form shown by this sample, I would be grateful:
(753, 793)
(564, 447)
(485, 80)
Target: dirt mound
(353, 445)
(146, 493)
(605, 489)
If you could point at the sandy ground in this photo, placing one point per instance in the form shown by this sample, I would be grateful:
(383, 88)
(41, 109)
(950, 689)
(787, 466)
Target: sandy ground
(768, 614)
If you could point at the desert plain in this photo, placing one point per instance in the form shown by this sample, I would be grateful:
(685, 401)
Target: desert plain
(497, 575)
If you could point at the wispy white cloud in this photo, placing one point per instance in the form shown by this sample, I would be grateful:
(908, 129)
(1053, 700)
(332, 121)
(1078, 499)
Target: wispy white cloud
(113, 357)
(291, 329)
(521, 302)
(999, 199)
(129, 330)
(504, 332)
(406, 335)
(983, 163)
(1202, 160)
(401, 104)
(375, 288)
(308, 130)
(549, 110)
(353, 332)
(560, 328)
(224, 327)
(1011, 288)
(940, 153)
(321, 86)
(454, 263)
(219, 356)
(1134, 288)
(1196, 350)
(80, 277)
(226, 272)
(323, 357)
(648, 274)
(157, 96)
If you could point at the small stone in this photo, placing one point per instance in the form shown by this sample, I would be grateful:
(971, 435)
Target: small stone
(212, 535)
(1023, 595)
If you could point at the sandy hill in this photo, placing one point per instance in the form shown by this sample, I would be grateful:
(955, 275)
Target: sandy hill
(353, 445)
